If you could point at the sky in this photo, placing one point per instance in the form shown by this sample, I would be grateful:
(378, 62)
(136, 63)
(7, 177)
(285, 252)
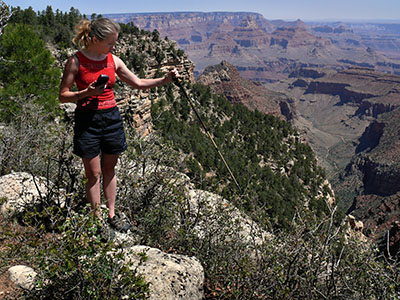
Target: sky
(306, 10)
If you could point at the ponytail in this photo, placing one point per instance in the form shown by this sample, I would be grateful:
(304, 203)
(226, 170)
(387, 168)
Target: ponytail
(82, 34)
(101, 28)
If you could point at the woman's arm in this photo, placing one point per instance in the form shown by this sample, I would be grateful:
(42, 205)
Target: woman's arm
(126, 75)
(70, 71)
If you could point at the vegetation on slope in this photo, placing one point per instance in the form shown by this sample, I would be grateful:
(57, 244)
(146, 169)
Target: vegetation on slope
(277, 172)
(312, 257)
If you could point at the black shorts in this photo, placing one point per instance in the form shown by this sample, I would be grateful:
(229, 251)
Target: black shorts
(98, 131)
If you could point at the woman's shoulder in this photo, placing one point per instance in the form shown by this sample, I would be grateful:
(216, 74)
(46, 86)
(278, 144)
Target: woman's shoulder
(117, 61)
(114, 57)
(74, 57)
(73, 62)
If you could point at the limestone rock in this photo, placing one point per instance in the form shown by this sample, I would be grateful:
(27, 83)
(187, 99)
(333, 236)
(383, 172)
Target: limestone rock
(212, 210)
(171, 276)
(20, 190)
(355, 228)
(69, 110)
(22, 276)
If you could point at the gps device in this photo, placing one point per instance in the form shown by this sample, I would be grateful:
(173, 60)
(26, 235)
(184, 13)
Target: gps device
(101, 80)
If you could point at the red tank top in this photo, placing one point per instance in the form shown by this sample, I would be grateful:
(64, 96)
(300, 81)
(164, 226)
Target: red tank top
(89, 70)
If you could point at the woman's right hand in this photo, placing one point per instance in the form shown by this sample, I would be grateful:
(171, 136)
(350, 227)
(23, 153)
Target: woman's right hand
(95, 91)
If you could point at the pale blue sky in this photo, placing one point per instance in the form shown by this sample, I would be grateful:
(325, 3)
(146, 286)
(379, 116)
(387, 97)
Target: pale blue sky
(271, 9)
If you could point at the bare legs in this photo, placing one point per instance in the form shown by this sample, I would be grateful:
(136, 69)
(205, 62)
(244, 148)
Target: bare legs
(94, 168)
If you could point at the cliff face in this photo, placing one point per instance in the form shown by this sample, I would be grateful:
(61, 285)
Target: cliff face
(195, 25)
(287, 37)
(351, 119)
(224, 79)
(378, 164)
(157, 57)
(262, 50)
(375, 174)
(372, 92)
(381, 219)
(382, 38)
(377, 178)
(371, 137)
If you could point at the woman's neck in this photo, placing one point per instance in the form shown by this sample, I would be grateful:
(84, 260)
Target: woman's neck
(93, 55)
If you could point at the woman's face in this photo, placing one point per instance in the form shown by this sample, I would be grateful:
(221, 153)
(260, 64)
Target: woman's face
(106, 45)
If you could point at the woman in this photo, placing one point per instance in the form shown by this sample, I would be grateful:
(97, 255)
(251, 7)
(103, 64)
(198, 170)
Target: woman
(99, 134)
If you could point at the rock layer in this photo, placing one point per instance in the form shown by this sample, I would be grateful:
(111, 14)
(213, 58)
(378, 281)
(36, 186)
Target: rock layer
(224, 79)
(262, 50)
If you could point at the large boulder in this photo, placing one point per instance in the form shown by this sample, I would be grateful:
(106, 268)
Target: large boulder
(171, 276)
(22, 276)
(19, 191)
(217, 215)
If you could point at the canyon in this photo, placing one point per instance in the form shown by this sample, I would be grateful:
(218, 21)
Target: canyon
(351, 120)
(269, 50)
(337, 83)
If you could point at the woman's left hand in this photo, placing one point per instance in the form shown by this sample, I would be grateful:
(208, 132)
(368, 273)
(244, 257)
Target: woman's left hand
(173, 75)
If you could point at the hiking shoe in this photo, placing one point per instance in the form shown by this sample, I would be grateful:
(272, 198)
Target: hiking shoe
(106, 233)
(120, 223)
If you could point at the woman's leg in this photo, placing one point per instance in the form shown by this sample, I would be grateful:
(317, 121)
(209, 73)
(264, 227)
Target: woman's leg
(109, 181)
(93, 175)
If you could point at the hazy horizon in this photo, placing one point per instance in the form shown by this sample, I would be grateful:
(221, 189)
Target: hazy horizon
(307, 10)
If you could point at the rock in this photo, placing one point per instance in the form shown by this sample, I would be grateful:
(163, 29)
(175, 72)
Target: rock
(225, 79)
(217, 215)
(355, 229)
(22, 276)
(127, 239)
(313, 73)
(171, 276)
(379, 215)
(355, 85)
(378, 177)
(20, 190)
(371, 137)
(354, 224)
(69, 108)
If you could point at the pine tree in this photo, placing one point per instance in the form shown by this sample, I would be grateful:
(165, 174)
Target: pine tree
(27, 68)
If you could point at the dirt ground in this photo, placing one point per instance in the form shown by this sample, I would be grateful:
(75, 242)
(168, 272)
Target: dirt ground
(8, 290)
(13, 238)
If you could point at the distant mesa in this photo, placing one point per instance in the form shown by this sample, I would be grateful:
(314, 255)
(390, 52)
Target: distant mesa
(264, 50)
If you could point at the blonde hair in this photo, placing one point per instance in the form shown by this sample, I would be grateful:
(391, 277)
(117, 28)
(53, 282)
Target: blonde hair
(100, 28)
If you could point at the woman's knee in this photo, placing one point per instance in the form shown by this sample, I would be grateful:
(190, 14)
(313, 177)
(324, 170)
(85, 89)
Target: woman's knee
(108, 172)
(92, 169)
(108, 165)
(93, 176)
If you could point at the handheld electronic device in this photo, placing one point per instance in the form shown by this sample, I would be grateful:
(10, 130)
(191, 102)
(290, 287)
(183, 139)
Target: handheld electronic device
(101, 80)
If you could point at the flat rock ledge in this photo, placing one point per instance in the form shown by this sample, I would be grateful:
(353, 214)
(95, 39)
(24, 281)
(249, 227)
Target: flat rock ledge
(171, 276)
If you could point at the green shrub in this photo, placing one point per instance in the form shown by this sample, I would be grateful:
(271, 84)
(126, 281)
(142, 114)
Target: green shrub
(76, 264)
